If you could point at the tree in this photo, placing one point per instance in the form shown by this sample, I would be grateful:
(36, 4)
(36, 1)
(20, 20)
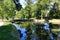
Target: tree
(54, 12)
(42, 7)
(28, 8)
(6, 8)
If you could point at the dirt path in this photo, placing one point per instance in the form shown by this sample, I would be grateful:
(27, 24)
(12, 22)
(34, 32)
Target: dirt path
(53, 21)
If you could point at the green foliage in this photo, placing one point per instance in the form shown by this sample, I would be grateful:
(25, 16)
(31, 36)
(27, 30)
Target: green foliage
(37, 10)
(6, 9)
(54, 12)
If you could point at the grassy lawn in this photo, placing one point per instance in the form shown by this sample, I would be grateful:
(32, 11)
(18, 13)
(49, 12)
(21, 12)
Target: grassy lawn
(6, 23)
(5, 33)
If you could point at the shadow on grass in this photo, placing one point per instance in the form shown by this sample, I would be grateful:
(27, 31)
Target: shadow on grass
(7, 31)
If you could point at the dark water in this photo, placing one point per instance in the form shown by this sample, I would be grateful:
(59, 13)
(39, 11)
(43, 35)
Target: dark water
(23, 31)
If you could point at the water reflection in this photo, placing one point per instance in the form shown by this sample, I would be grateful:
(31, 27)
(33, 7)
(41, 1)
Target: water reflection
(59, 35)
(47, 29)
(23, 30)
(25, 35)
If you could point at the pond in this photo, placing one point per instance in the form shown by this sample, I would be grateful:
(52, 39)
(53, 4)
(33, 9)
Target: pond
(23, 31)
(32, 35)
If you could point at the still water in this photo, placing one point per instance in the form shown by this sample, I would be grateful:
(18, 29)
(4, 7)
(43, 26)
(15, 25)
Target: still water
(23, 31)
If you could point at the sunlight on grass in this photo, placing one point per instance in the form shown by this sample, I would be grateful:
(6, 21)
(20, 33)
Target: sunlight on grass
(1, 23)
(6, 23)
(6, 32)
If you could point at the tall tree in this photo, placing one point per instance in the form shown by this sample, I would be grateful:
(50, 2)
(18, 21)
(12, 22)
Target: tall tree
(28, 8)
(42, 6)
(6, 8)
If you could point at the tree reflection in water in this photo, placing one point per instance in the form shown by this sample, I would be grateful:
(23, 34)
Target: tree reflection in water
(39, 33)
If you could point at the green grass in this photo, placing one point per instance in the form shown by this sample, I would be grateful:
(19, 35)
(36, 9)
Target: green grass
(6, 23)
(5, 32)
(58, 32)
